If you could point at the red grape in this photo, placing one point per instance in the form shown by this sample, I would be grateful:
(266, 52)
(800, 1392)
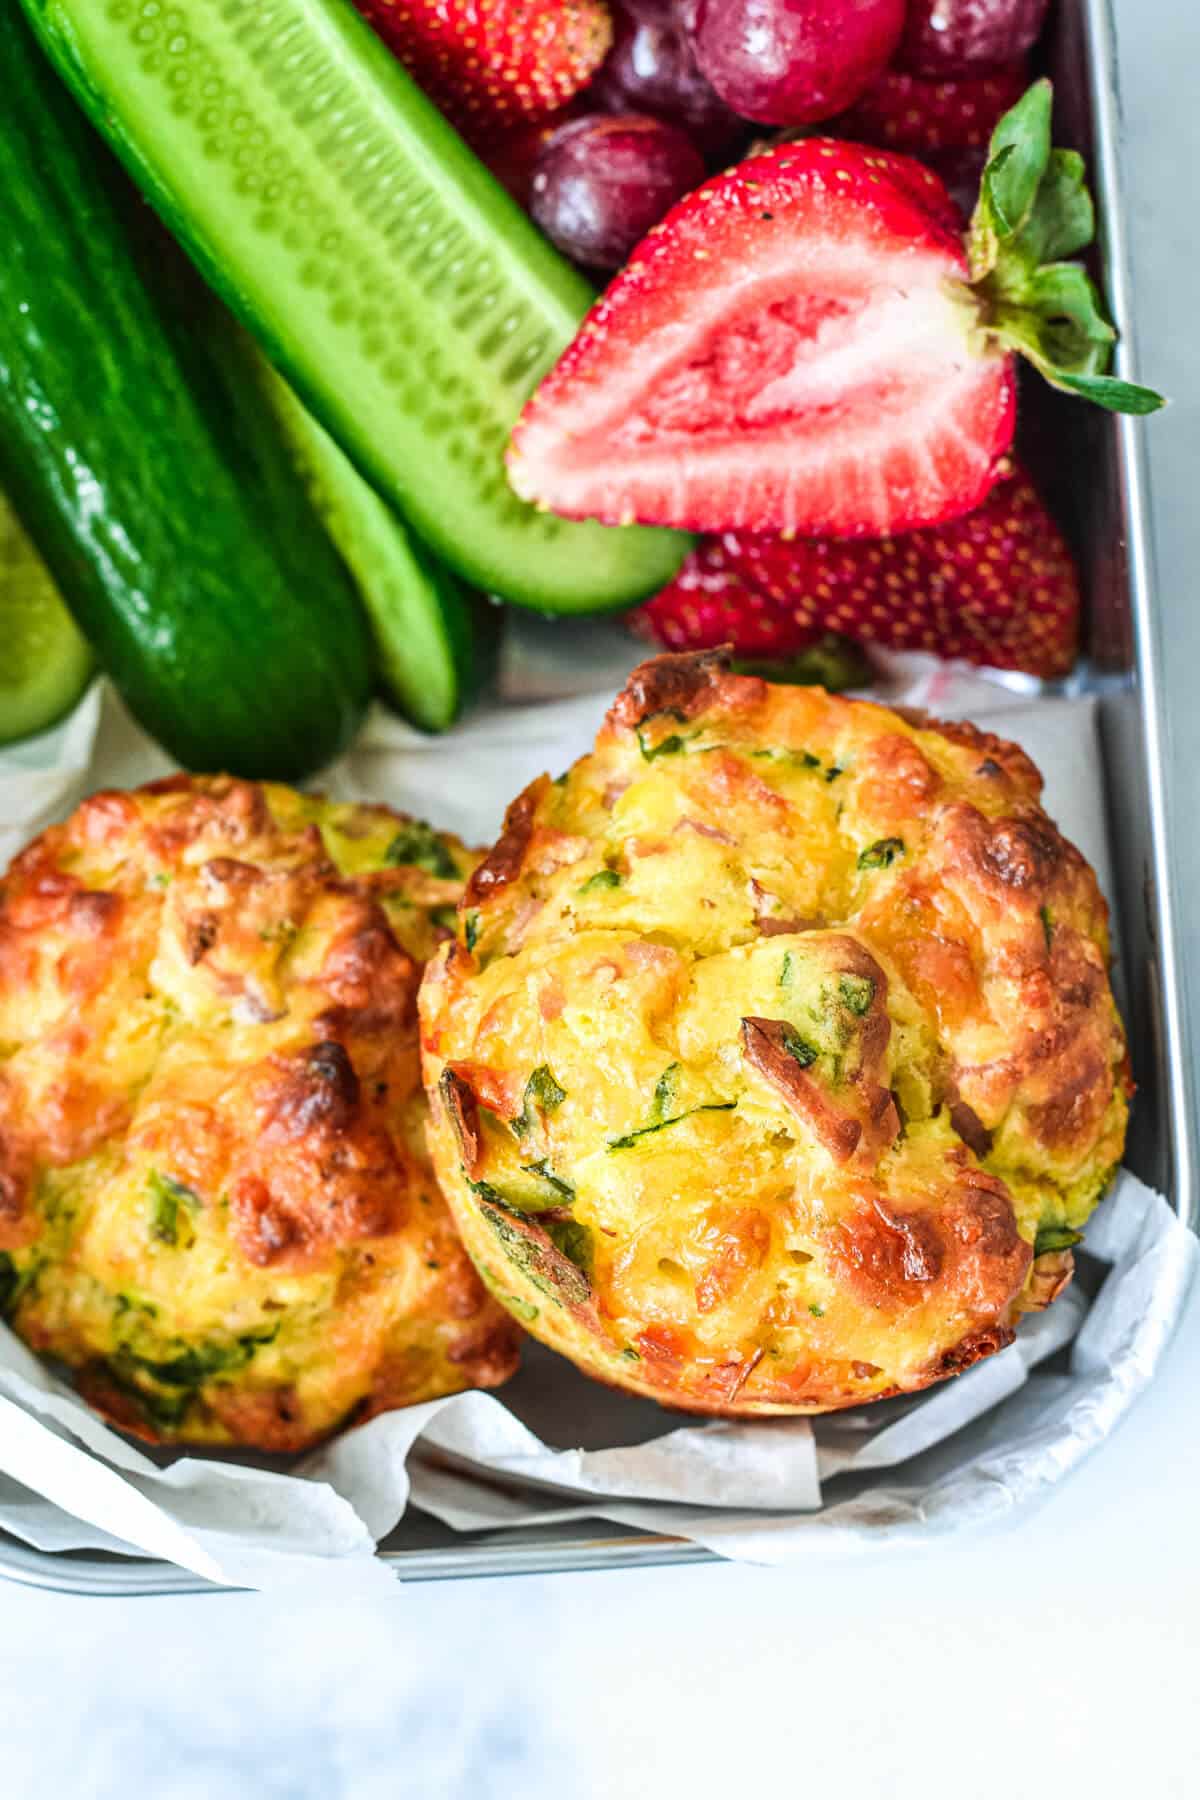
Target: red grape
(512, 154)
(960, 37)
(790, 62)
(602, 181)
(651, 69)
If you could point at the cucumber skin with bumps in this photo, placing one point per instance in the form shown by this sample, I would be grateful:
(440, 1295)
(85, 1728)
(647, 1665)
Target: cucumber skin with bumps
(408, 300)
(147, 471)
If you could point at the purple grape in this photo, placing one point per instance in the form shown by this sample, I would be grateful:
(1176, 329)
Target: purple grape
(961, 37)
(651, 69)
(602, 181)
(791, 62)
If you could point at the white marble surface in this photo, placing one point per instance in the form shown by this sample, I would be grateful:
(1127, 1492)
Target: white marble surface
(1061, 1655)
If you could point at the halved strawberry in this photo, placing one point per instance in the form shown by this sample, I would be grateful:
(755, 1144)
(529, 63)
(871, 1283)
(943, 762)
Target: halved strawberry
(922, 182)
(914, 112)
(997, 587)
(784, 352)
(804, 346)
(490, 64)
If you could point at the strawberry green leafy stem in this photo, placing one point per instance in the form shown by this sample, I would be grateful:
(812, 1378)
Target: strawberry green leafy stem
(1034, 210)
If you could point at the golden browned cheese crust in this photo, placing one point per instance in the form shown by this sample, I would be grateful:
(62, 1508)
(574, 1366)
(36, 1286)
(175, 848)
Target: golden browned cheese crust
(775, 1066)
(216, 1199)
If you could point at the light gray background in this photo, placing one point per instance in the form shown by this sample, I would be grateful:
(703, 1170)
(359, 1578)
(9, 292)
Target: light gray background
(1061, 1656)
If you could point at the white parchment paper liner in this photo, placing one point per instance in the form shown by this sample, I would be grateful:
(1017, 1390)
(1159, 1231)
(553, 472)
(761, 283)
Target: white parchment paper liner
(554, 1446)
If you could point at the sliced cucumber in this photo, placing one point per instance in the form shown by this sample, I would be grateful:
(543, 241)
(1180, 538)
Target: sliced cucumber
(429, 639)
(407, 298)
(45, 663)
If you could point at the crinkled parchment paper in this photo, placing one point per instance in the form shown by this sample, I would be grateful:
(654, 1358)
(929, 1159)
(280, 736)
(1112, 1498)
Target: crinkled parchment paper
(554, 1446)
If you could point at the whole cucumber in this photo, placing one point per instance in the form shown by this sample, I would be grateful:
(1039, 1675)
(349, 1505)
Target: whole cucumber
(138, 451)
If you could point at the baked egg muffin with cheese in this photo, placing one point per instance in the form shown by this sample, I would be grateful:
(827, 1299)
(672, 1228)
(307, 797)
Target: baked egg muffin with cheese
(775, 1066)
(216, 1201)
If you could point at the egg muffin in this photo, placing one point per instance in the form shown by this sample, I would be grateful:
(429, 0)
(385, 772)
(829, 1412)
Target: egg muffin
(775, 1065)
(216, 1200)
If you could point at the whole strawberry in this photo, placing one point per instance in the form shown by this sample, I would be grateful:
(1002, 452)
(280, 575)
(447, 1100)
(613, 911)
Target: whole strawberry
(998, 587)
(491, 64)
(805, 344)
(920, 114)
